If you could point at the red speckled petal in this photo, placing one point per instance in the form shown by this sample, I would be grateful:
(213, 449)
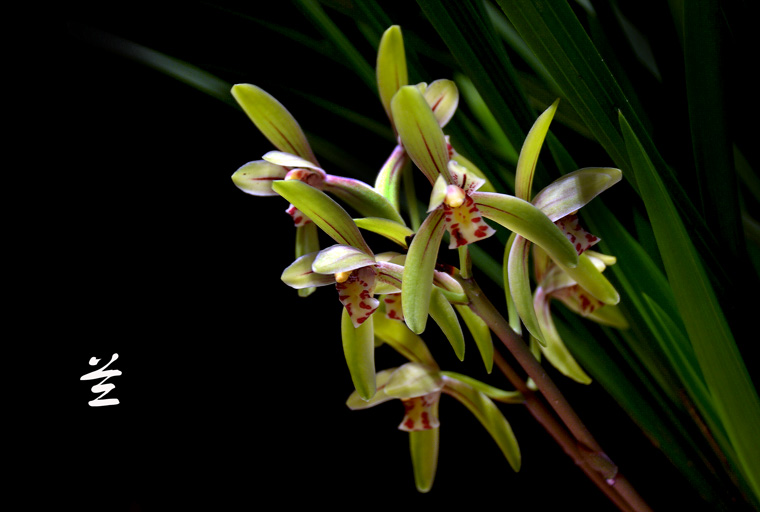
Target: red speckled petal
(356, 295)
(579, 237)
(393, 309)
(465, 224)
(421, 412)
(299, 219)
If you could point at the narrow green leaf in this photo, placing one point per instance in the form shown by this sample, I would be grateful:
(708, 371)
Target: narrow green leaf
(359, 351)
(489, 416)
(418, 271)
(326, 213)
(726, 375)
(273, 120)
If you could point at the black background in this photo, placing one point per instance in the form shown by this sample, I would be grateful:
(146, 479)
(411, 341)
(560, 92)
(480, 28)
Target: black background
(232, 393)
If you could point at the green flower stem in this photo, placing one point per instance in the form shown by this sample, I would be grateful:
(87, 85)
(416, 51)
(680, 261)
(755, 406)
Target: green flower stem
(588, 448)
(559, 433)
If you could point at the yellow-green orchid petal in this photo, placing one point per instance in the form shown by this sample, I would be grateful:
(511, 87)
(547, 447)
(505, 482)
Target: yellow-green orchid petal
(388, 179)
(420, 134)
(444, 315)
(357, 403)
(273, 120)
(438, 194)
(300, 275)
(443, 98)
(519, 287)
(588, 277)
(489, 416)
(290, 160)
(391, 66)
(526, 162)
(256, 177)
(507, 397)
(391, 230)
(307, 241)
(341, 258)
(403, 341)
(323, 211)
(480, 332)
(529, 222)
(418, 271)
(362, 198)
(413, 379)
(423, 447)
(359, 351)
(575, 190)
(554, 349)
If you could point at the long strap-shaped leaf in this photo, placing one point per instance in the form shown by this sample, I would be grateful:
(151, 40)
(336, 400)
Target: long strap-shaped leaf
(735, 397)
(555, 35)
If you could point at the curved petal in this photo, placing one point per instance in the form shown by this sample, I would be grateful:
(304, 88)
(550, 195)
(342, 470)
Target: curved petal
(290, 160)
(273, 120)
(418, 271)
(341, 258)
(528, 221)
(444, 315)
(391, 230)
(507, 397)
(389, 178)
(423, 447)
(323, 211)
(391, 66)
(390, 275)
(359, 351)
(300, 275)
(413, 379)
(555, 350)
(307, 241)
(443, 98)
(420, 134)
(480, 333)
(489, 416)
(575, 190)
(356, 403)
(403, 341)
(519, 286)
(362, 198)
(526, 162)
(356, 295)
(256, 177)
(588, 277)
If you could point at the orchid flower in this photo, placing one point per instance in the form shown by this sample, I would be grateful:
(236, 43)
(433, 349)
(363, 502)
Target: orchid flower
(583, 287)
(441, 95)
(456, 205)
(295, 160)
(419, 385)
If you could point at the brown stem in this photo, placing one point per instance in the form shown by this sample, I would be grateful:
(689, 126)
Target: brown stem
(588, 448)
(563, 438)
